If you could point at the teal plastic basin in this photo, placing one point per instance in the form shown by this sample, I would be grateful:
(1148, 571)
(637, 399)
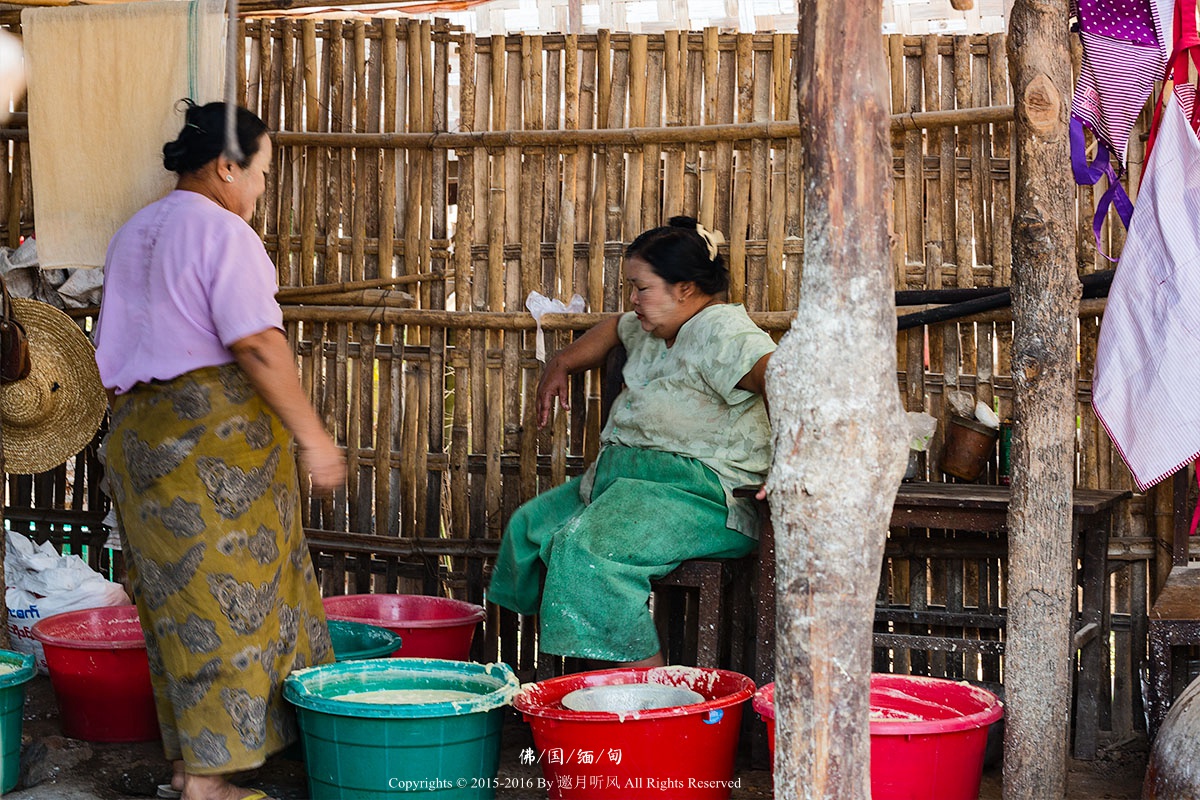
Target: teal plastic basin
(12, 700)
(363, 751)
(354, 641)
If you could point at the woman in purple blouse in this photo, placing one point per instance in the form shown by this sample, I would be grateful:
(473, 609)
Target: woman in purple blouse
(206, 412)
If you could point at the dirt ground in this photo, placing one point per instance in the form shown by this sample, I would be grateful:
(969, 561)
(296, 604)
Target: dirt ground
(57, 768)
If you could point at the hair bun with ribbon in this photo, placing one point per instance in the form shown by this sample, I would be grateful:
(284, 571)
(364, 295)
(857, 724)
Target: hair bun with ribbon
(713, 239)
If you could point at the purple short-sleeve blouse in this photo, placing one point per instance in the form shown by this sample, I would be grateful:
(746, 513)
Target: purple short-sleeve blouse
(184, 279)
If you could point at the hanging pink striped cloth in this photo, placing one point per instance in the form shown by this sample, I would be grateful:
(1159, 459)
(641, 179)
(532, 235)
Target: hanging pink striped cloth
(1121, 61)
(1122, 57)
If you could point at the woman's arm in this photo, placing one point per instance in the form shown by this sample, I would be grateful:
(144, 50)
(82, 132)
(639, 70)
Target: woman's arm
(271, 368)
(586, 352)
(756, 379)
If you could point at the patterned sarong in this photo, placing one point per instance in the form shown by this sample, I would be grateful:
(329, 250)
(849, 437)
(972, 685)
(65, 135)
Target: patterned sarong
(204, 479)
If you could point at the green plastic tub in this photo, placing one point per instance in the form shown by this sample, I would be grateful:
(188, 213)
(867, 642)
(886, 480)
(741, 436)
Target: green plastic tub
(362, 751)
(354, 641)
(18, 670)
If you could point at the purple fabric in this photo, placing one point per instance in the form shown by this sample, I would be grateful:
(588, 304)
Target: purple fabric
(1126, 20)
(183, 280)
(1090, 174)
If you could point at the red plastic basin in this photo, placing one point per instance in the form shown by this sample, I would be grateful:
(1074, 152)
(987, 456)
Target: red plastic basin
(928, 735)
(101, 678)
(683, 752)
(429, 627)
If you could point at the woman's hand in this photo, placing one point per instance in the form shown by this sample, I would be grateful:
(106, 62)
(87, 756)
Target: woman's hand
(586, 352)
(325, 464)
(553, 384)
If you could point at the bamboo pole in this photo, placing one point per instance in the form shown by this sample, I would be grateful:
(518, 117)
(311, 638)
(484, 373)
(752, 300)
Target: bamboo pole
(358, 212)
(464, 375)
(742, 179)
(980, 151)
(551, 167)
(532, 188)
(494, 407)
(289, 177)
(628, 137)
(615, 178)
(387, 198)
(359, 297)
(338, 156)
(565, 272)
(634, 184)
(674, 71)
(436, 74)
(777, 207)
(478, 299)
(299, 293)
(598, 235)
(312, 159)
(514, 296)
(708, 186)
(760, 180)
(584, 172)
(523, 321)
(565, 250)
(650, 199)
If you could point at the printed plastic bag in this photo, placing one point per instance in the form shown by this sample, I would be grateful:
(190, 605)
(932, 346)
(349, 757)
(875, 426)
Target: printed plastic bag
(42, 583)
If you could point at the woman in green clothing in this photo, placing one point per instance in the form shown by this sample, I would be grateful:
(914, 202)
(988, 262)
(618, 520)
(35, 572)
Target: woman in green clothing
(689, 425)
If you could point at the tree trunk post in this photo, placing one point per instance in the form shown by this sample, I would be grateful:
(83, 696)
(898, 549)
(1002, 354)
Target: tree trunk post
(1046, 291)
(840, 432)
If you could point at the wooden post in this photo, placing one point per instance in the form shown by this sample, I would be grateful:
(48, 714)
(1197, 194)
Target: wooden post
(840, 441)
(1046, 292)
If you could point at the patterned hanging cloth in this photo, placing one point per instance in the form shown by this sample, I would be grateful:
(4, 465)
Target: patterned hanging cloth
(1123, 54)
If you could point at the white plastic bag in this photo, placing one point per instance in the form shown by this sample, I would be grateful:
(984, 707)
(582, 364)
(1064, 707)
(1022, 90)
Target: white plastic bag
(538, 304)
(41, 583)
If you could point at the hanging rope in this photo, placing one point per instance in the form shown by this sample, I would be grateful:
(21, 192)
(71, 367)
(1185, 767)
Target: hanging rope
(193, 46)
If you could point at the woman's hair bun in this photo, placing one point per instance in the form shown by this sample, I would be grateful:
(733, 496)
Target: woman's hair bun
(202, 137)
(681, 251)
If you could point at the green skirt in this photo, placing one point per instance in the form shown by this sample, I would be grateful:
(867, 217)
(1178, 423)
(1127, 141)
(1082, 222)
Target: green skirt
(204, 479)
(586, 568)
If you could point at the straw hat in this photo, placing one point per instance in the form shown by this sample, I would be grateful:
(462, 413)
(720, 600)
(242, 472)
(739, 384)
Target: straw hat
(54, 412)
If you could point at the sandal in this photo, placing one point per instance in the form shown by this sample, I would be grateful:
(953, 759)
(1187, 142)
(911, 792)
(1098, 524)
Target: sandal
(167, 793)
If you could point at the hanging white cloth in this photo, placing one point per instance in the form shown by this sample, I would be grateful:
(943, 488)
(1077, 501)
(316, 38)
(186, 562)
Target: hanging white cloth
(1145, 383)
(104, 81)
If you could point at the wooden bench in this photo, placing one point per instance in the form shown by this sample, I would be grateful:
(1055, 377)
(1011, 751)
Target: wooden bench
(972, 508)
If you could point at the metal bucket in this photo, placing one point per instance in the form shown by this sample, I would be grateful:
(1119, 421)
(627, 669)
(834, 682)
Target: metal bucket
(969, 446)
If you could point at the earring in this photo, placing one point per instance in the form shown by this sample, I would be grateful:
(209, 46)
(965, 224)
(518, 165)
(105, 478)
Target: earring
(229, 179)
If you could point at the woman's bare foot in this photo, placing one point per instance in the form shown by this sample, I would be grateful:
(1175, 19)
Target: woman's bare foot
(655, 660)
(177, 775)
(214, 787)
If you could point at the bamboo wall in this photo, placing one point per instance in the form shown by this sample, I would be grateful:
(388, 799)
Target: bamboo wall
(451, 175)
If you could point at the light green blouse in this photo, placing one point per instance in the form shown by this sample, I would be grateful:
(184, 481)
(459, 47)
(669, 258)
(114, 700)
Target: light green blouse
(684, 399)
